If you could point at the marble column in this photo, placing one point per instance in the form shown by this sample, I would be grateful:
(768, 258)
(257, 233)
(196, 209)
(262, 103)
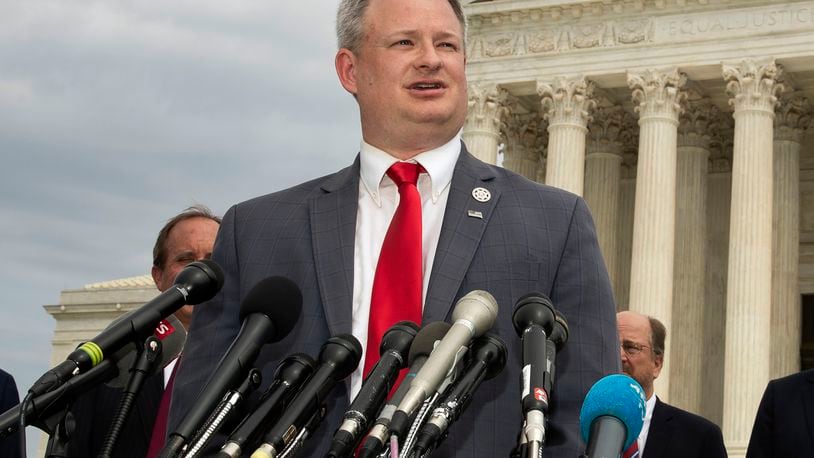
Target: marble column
(627, 200)
(752, 88)
(791, 119)
(567, 104)
(695, 126)
(482, 128)
(658, 96)
(603, 163)
(719, 191)
(522, 134)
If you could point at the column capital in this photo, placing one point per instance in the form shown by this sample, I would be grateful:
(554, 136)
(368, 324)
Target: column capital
(697, 123)
(793, 116)
(487, 105)
(567, 101)
(524, 134)
(609, 130)
(753, 85)
(658, 93)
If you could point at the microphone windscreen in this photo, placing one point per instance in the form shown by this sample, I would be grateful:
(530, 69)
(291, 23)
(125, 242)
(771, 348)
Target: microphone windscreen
(424, 341)
(279, 299)
(172, 335)
(615, 395)
(203, 279)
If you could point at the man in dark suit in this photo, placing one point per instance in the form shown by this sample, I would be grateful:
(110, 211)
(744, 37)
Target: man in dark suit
(784, 424)
(14, 445)
(188, 236)
(667, 432)
(483, 228)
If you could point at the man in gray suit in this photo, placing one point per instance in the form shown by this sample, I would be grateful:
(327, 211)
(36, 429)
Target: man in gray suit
(483, 228)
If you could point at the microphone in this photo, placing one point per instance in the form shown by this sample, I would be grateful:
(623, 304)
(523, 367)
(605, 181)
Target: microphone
(533, 320)
(488, 358)
(290, 375)
(473, 315)
(114, 371)
(394, 350)
(269, 312)
(199, 281)
(338, 358)
(422, 346)
(612, 416)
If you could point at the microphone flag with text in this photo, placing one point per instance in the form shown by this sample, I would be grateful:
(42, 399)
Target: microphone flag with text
(612, 415)
(199, 281)
(268, 312)
(113, 371)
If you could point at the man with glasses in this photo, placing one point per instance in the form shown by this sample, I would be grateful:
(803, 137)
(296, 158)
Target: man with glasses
(667, 431)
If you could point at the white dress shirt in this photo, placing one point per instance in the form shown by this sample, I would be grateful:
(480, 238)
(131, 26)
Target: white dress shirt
(378, 200)
(642, 440)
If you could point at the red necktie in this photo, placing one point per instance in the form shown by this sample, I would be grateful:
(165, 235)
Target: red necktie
(397, 284)
(632, 451)
(160, 426)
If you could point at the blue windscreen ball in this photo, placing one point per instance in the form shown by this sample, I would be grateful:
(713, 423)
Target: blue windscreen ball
(615, 395)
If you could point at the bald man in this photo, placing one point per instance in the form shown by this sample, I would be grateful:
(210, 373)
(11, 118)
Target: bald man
(667, 432)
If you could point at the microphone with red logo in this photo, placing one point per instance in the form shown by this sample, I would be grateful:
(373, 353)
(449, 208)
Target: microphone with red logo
(533, 320)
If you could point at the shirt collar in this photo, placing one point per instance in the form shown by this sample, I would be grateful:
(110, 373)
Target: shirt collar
(439, 164)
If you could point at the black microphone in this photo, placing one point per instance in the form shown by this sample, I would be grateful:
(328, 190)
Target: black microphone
(612, 416)
(533, 319)
(393, 353)
(473, 315)
(199, 281)
(269, 312)
(487, 360)
(338, 358)
(420, 350)
(114, 371)
(290, 375)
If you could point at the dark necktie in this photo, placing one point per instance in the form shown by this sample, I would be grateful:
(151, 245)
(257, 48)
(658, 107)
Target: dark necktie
(397, 284)
(160, 426)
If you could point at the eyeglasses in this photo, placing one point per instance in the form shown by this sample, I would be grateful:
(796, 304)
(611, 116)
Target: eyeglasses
(633, 349)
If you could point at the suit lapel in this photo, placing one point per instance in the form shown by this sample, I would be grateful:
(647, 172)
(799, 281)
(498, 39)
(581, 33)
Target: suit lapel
(147, 404)
(661, 431)
(808, 405)
(465, 219)
(333, 226)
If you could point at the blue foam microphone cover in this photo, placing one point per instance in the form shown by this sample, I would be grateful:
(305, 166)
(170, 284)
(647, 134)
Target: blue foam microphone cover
(618, 396)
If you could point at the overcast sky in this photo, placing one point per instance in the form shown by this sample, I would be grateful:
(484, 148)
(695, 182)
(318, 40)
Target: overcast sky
(115, 115)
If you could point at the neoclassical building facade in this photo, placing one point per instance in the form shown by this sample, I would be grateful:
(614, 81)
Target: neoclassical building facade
(686, 126)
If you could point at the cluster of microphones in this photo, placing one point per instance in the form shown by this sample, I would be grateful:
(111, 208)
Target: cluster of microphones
(423, 381)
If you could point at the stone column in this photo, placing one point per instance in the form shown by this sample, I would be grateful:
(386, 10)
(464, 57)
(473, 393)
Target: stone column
(567, 104)
(627, 199)
(482, 128)
(752, 88)
(719, 185)
(658, 96)
(603, 163)
(695, 126)
(523, 150)
(791, 119)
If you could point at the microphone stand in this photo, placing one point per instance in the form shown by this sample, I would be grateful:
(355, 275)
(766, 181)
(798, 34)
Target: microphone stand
(223, 411)
(143, 365)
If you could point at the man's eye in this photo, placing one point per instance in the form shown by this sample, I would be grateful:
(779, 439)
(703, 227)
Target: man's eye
(403, 43)
(451, 46)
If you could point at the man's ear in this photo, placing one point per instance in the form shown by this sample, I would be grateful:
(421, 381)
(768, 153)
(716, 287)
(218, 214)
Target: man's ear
(156, 273)
(345, 63)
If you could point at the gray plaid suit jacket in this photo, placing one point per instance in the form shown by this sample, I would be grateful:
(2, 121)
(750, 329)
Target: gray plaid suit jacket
(531, 238)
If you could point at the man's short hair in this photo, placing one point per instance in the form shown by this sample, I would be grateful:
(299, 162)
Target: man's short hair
(658, 333)
(160, 247)
(349, 17)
